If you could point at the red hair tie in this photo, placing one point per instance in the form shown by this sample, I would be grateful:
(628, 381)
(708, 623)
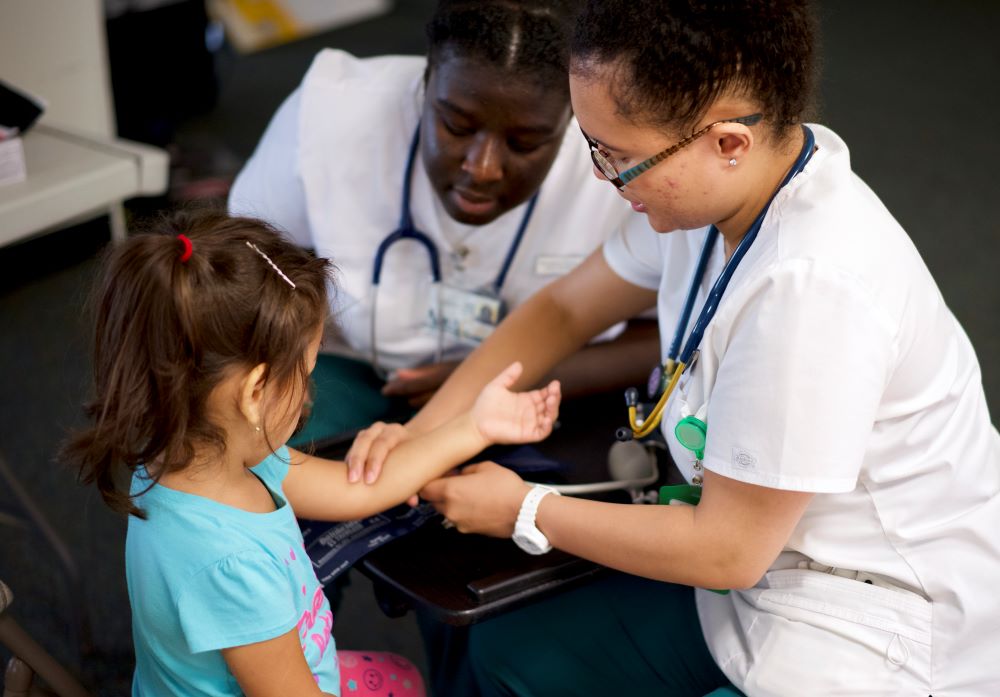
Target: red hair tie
(188, 249)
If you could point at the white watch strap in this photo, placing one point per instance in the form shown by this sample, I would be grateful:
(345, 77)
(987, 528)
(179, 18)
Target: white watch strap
(529, 507)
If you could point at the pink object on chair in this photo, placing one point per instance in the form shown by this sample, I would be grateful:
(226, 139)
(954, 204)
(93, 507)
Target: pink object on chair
(378, 674)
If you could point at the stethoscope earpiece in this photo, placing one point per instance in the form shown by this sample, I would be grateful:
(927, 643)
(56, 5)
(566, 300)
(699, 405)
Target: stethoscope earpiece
(624, 434)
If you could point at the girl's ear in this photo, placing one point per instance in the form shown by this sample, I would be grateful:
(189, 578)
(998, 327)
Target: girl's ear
(251, 396)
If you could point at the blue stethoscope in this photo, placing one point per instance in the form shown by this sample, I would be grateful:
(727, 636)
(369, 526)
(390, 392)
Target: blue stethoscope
(407, 231)
(664, 378)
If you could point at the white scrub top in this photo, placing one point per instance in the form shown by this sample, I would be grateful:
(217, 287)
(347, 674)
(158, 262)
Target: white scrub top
(329, 171)
(834, 366)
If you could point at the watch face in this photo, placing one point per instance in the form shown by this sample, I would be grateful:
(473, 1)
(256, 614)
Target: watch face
(529, 544)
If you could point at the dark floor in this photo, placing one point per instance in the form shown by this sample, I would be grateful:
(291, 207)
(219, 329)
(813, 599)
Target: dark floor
(910, 85)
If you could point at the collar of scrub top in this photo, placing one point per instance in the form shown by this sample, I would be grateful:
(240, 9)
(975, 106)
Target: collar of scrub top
(406, 230)
(675, 364)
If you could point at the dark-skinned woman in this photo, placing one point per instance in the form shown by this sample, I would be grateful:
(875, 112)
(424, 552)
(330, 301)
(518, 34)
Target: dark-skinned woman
(474, 154)
(472, 157)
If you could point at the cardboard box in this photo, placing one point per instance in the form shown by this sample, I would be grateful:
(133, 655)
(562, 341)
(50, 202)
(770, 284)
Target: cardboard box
(252, 25)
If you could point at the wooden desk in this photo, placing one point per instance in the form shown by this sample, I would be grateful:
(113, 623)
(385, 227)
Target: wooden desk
(461, 579)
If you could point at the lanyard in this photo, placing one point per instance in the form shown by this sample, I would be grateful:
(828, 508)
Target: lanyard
(406, 230)
(677, 359)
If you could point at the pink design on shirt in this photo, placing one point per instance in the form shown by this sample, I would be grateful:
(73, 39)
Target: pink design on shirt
(322, 639)
(308, 618)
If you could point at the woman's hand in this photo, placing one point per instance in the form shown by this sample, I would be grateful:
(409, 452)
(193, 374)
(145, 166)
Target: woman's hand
(485, 498)
(418, 385)
(503, 416)
(370, 448)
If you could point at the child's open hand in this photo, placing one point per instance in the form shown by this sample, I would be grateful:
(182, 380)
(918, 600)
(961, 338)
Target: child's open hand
(503, 416)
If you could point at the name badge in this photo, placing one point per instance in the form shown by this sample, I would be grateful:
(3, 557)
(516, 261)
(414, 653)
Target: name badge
(466, 315)
(556, 264)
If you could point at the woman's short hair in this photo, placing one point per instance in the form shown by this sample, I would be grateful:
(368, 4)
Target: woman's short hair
(674, 58)
(528, 38)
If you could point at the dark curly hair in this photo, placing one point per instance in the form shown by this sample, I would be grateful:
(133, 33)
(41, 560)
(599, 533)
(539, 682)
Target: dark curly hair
(169, 328)
(675, 58)
(528, 38)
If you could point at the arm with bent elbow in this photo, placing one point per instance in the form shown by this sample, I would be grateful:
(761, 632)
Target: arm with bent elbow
(597, 367)
(320, 489)
(553, 324)
(726, 541)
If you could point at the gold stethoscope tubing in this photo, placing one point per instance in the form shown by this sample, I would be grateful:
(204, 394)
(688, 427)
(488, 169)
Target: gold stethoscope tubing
(650, 423)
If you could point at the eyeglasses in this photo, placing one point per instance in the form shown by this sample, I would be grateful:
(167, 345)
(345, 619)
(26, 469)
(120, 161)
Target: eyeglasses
(605, 163)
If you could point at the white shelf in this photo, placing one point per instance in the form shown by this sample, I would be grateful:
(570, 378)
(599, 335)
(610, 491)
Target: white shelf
(71, 176)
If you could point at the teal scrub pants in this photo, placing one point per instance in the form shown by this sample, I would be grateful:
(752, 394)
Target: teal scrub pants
(619, 635)
(346, 396)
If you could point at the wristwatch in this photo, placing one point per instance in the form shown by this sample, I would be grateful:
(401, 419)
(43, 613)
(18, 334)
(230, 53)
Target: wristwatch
(527, 536)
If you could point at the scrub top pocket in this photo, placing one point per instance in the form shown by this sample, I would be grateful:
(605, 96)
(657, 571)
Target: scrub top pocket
(839, 635)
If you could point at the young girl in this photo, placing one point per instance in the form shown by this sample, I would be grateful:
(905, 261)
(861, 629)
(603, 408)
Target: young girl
(206, 334)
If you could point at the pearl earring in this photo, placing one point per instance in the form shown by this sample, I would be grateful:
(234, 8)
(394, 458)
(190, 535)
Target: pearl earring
(732, 162)
(257, 429)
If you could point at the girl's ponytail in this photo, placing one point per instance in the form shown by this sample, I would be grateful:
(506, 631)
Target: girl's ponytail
(176, 308)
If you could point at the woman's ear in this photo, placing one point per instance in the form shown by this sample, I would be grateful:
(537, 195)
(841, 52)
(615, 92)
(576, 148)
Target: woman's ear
(733, 142)
(251, 396)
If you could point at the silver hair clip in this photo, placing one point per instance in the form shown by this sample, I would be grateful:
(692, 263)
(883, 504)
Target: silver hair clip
(274, 266)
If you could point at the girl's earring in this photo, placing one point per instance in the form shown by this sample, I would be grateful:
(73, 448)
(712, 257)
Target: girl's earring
(257, 429)
(732, 162)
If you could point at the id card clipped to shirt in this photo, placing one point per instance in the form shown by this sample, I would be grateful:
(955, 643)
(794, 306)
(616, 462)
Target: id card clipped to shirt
(468, 316)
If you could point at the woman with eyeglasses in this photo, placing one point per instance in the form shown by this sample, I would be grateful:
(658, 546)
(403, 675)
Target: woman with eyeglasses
(820, 400)
(447, 190)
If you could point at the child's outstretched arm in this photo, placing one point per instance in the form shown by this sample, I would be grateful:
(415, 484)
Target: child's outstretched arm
(319, 489)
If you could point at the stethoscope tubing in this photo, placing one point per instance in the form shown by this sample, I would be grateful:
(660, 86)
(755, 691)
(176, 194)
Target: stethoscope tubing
(407, 231)
(679, 362)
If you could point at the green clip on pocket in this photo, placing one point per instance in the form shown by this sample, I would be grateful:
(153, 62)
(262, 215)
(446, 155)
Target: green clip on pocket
(685, 493)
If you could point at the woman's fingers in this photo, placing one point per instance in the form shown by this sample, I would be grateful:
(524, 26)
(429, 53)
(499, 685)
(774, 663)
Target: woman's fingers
(370, 449)
(377, 454)
(408, 382)
(358, 452)
(484, 498)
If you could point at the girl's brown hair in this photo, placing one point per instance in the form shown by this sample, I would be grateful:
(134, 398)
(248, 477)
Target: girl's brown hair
(168, 331)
